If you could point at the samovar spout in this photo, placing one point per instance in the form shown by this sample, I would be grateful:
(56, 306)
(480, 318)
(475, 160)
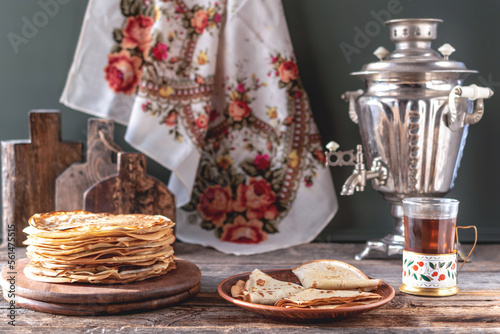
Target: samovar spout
(351, 184)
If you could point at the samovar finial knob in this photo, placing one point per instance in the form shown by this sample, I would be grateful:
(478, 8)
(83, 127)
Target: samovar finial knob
(446, 50)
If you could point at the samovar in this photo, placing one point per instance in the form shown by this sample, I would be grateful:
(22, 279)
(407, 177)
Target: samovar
(413, 119)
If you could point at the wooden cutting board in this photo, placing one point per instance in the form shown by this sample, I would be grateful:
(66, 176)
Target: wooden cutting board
(30, 168)
(131, 190)
(74, 181)
(85, 298)
(105, 309)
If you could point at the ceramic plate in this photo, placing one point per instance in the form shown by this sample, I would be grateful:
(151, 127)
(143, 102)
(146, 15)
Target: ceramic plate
(302, 315)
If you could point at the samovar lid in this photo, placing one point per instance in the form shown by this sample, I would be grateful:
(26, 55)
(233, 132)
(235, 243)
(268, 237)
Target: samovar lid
(413, 58)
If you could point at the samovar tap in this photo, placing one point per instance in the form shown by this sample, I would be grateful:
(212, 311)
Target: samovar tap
(357, 180)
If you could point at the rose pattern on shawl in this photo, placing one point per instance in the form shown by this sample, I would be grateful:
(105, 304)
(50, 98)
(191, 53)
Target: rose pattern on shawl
(257, 198)
(239, 110)
(215, 203)
(243, 231)
(137, 33)
(252, 183)
(199, 21)
(217, 18)
(159, 51)
(262, 161)
(171, 119)
(240, 96)
(202, 121)
(123, 72)
(132, 43)
(288, 71)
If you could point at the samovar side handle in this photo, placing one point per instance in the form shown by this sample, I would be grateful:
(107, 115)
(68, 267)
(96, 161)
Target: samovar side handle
(472, 92)
(351, 98)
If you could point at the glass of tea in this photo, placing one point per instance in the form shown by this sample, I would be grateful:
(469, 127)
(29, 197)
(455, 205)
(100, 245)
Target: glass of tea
(429, 256)
(430, 225)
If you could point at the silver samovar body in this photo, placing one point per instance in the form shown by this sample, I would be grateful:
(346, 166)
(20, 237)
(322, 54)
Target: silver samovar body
(413, 120)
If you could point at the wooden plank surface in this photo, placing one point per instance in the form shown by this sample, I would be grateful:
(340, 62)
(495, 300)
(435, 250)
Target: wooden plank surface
(76, 179)
(30, 169)
(476, 309)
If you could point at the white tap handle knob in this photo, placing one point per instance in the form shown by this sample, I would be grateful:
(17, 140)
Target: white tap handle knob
(332, 146)
(381, 52)
(473, 92)
(446, 50)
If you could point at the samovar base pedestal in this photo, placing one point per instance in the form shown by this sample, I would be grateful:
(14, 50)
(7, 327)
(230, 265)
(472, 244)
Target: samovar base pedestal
(391, 245)
(387, 247)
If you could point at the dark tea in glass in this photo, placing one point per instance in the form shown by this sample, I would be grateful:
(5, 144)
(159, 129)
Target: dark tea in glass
(430, 236)
(430, 224)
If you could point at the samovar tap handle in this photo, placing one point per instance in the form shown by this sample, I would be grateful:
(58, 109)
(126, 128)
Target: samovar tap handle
(337, 158)
(472, 92)
(351, 98)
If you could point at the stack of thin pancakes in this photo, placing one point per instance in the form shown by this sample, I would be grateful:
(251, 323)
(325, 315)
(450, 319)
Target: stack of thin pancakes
(79, 246)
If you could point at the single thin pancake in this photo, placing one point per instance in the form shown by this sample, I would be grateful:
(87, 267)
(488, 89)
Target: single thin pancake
(334, 275)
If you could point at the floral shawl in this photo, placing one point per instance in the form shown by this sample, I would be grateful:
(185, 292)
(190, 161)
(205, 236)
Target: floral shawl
(211, 90)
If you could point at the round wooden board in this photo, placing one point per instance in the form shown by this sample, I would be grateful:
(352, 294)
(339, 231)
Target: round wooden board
(104, 308)
(177, 281)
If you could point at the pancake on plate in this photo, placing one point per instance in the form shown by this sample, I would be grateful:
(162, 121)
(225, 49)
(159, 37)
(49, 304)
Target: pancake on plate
(334, 275)
(261, 288)
(79, 246)
(325, 284)
(317, 298)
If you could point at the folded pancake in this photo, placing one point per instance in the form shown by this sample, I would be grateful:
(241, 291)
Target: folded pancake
(334, 275)
(79, 246)
(317, 298)
(238, 289)
(263, 289)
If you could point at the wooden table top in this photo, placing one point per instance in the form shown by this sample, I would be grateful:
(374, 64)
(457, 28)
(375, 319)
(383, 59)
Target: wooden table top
(476, 309)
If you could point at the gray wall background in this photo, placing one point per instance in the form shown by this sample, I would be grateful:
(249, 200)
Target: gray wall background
(33, 78)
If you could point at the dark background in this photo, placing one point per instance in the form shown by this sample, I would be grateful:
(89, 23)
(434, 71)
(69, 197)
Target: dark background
(34, 77)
